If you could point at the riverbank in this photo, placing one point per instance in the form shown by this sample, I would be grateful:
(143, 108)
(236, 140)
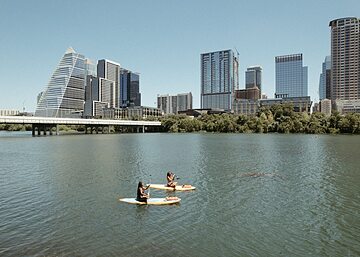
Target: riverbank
(277, 119)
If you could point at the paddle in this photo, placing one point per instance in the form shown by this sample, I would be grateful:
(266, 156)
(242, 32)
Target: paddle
(149, 187)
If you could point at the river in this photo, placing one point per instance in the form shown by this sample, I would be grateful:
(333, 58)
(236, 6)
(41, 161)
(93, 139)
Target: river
(257, 195)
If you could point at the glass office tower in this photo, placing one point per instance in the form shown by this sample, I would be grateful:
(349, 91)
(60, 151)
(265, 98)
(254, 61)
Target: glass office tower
(65, 93)
(219, 79)
(129, 89)
(291, 77)
(325, 79)
(253, 78)
(110, 71)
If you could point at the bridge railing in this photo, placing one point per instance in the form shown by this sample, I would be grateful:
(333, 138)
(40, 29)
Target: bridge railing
(73, 121)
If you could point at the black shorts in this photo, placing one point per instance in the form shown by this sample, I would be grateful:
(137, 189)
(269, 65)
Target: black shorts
(144, 200)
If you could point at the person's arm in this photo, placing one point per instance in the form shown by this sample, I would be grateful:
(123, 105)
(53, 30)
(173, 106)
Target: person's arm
(142, 193)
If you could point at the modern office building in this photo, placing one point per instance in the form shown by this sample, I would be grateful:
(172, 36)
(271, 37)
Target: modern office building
(345, 61)
(253, 78)
(110, 72)
(129, 89)
(64, 94)
(173, 104)
(114, 87)
(219, 79)
(291, 77)
(325, 79)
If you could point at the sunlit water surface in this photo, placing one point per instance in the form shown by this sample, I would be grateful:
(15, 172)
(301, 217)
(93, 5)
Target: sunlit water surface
(257, 195)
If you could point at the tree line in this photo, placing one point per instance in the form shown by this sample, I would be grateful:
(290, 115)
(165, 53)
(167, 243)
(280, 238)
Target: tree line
(279, 118)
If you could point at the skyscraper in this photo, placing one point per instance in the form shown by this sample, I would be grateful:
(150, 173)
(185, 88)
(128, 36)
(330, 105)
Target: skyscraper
(110, 72)
(65, 93)
(219, 79)
(129, 89)
(345, 59)
(325, 79)
(291, 77)
(253, 78)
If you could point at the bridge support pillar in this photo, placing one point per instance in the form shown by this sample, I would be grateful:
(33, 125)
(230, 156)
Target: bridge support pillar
(33, 129)
(143, 129)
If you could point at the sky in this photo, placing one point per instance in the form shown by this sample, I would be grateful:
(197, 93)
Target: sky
(160, 39)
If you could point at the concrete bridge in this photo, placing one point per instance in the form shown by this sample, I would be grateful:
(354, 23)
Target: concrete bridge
(43, 125)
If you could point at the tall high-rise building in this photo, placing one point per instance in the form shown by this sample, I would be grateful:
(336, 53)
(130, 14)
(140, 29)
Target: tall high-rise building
(129, 89)
(253, 78)
(219, 79)
(325, 79)
(65, 93)
(345, 59)
(110, 72)
(174, 103)
(291, 77)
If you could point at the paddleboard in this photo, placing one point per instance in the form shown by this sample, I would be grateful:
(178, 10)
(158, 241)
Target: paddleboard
(151, 201)
(177, 188)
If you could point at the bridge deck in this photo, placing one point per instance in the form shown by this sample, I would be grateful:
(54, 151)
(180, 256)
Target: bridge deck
(71, 121)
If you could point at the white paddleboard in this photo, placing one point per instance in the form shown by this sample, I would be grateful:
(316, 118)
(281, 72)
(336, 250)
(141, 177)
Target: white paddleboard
(177, 188)
(151, 201)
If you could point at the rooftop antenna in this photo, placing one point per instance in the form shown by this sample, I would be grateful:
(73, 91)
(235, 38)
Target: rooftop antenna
(237, 53)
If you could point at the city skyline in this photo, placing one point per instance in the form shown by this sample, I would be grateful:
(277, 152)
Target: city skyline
(162, 45)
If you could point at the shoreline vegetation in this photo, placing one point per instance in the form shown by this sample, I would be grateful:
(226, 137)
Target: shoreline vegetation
(275, 119)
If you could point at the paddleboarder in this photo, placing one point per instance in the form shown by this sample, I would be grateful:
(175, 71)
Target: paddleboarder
(141, 195)
(170, 179)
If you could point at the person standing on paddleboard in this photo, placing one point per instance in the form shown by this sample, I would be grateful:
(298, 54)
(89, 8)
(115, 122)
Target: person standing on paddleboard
(170, 179)
(141, 195)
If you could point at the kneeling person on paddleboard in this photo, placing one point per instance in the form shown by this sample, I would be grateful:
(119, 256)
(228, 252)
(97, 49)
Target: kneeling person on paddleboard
(170, 179)
(141, 195)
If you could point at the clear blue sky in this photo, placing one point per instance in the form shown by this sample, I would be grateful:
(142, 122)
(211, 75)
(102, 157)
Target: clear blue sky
(160, 39)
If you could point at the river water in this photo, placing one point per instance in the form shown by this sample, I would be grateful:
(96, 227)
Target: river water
(257, 195)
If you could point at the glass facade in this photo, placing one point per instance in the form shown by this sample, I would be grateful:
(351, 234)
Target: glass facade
(65, 93)
(325, 78)
(129, 89)
(253, 77)
(291, 77)
(110, 71)
(219, 79)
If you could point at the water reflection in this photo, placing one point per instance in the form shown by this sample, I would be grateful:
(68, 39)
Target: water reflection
(59, 195)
